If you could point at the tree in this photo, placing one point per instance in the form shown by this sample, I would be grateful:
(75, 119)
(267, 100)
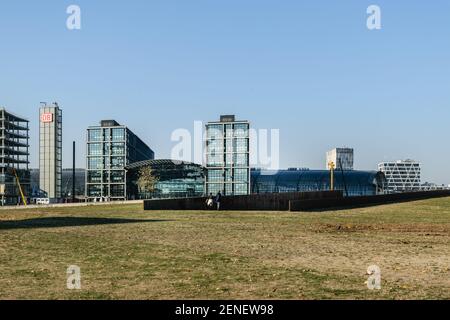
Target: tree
(147, 179)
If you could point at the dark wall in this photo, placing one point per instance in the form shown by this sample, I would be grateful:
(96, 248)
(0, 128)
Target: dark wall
(264, 202)
(348, 202)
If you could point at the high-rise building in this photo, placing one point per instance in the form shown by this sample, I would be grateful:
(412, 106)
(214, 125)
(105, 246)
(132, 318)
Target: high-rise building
(341, 157)
(401, 176)
(50, 150)
(110, 148)
(14, 158)
(228, 156)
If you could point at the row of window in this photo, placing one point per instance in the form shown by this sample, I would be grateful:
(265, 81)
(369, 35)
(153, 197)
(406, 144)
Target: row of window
(106, 176)
(98, 149)
(227, 188)
(236, 159)
(219, 131)
(115, 134)
(113, 191)
(98, 163)
(228, 145)
(228, 175)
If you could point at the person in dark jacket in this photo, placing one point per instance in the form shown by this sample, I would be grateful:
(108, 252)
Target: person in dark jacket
(218, 200)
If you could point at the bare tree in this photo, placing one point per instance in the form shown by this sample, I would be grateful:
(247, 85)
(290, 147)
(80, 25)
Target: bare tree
(147, 179)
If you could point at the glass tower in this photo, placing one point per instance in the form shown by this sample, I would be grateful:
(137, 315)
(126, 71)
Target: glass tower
(228, 156)
(110, 148)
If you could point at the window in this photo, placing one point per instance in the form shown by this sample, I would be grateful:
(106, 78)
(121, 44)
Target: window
(215, 160)
(117, 176)
(118, 149)
(240, 189)
(228, 175)
(229, 189)
(215, 175)
(95, 135)
(229, 145)
(229, 159)
(117, 162)
(95, 149)
(94, 191)
(215, 131)
(241, 130)
(214, 188)
(117, 190)
(118, 134)
(240, 159)
(215, 146)
(241, 145)
(241, 175)
(107, 134)
(94, 177)
(95, 163)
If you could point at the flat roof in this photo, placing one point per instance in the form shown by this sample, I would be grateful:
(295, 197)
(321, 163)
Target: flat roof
(19, 119)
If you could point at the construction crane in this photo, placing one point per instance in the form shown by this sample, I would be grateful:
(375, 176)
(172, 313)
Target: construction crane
(19, 186)
(332, 166)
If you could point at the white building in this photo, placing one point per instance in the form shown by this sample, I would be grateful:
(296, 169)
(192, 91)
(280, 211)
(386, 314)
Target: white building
(427, 186)
(401, 176)
(340, 157)
(50, 150)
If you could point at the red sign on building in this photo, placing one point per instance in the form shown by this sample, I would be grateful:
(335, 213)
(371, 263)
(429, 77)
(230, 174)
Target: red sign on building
(47, 117)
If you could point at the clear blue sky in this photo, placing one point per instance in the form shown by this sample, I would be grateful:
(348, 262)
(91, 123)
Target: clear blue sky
(310, 68)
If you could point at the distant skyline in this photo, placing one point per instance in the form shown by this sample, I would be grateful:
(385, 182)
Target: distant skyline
(309, 68)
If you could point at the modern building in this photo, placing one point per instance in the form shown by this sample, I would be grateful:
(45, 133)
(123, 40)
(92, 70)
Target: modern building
(175, 179)
(402, 176)
(50, 150)
(14, 158)
(341, 157)
(351, 182)
(429, 186)
(228, 156)
(110, 148)
(66, 186)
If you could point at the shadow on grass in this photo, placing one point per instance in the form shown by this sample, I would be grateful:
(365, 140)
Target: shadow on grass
(61, 222)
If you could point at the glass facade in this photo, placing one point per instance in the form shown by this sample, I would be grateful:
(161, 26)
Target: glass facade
(227, 157)
(356, 183)
(174, 180)
(110, 148)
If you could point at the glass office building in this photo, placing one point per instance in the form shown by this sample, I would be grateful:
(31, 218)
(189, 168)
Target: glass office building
(14, 157)
(353, 183)
(228, 156)
(50, 150)
(110, 148)
(66, 185)
(175, 179)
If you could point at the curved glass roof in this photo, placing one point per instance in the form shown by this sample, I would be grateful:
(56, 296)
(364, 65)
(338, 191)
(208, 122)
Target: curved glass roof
(160, 162)
(292, 176)
(356, 182)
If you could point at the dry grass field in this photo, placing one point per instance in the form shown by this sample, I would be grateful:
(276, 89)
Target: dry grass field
(127, 253)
